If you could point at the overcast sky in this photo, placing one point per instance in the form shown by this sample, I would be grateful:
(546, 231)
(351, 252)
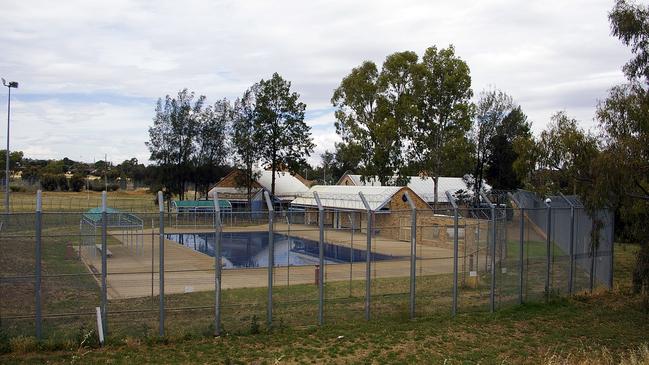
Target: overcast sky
(90, 73)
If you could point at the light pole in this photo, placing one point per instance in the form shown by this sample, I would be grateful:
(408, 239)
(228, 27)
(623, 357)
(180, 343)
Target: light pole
(11, 84)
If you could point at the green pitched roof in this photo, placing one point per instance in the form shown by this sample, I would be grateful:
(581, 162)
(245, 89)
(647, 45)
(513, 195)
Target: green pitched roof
(223, 204)
(94, 214)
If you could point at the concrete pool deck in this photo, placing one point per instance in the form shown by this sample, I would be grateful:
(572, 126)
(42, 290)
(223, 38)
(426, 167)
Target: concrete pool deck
(186, 270)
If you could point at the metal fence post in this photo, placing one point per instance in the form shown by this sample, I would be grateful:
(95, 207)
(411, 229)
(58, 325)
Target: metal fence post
(37, 283)
(492, 293)
(320, 260)
(271, 259)
(548, 234)
(572, 245)
(217, 265)
(593, 268)
(368, 258)
(161, 265)
(521, 247)
(456, 248)
(104, 264)
(612, 258)
(413, 252)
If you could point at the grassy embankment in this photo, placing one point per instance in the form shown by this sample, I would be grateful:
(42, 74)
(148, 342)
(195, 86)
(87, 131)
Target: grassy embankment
(531, 333)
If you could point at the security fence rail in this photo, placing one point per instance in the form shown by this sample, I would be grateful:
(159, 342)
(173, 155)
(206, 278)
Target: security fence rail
(130, 273)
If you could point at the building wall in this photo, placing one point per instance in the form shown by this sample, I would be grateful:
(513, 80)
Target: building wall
(395, 223)
(346, 180)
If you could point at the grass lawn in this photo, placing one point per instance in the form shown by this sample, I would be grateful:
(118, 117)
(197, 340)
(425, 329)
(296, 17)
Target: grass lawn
(529, 333)
(56, 201)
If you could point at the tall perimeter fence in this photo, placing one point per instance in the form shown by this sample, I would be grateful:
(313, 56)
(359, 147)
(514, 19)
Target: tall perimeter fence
(152, 272)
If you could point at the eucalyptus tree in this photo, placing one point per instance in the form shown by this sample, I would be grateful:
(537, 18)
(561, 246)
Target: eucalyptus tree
(246, 153)
(172, 137)
(442, 96)
(359, 120)
(212, 145)
(492, 107)
(513, 130)
(566, 154)
(623, 169)
(280, 133)
(373, 110)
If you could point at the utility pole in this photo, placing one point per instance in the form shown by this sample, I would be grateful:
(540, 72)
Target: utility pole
(10, 85)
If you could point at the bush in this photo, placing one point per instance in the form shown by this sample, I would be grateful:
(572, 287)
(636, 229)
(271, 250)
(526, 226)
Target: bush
(53, 182)
(62, 182)
(49, 182)
(77, 182)
(17, 189)
(99, 185)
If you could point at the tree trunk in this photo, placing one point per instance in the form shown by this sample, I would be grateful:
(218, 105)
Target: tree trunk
(435, 193)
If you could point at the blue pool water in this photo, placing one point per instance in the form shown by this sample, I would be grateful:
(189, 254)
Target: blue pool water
(250, 249)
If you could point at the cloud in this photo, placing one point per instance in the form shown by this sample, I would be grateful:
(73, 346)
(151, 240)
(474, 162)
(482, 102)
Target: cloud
(91, 71)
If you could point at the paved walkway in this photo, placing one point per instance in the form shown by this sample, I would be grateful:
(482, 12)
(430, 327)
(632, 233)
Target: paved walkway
(136, 275)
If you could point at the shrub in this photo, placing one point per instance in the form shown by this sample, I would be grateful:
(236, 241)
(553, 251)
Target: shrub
(77, 182)
(62, 182)
(23, 344)
(99, 185)
(254, 325)
(49, 182)
(17, 189)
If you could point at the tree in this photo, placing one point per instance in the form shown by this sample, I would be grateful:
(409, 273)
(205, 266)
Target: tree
(363, 119)
(528, 155)
(442, 96)
(212, 144)
(328, 163)
(172, 137)
(623, 118)
(492, 108)
(348, 157)
(502, 155)
(15, 160)
(282, 137)
(566, 155)
(77, 182)
(630, 23)
(245, 149)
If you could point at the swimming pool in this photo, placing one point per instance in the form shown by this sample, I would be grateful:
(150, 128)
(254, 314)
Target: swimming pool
(250, 249)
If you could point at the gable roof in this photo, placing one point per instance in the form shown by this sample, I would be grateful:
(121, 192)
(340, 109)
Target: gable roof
(346, 196)
(422, 186)
(287, 186)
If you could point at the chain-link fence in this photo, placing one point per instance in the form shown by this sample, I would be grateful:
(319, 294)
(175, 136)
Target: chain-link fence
(150, 273)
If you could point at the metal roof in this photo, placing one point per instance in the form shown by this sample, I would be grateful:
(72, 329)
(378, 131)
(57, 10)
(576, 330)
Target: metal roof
(346, 197)
(424, 186)
(94, 214)
(114, 218)
(286, 185)
(223, 204)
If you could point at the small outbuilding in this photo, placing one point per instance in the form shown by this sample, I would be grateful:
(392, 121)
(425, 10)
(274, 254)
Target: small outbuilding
(345, 209)
(287, 187)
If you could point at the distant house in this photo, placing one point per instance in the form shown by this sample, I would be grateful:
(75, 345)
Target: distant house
(287, 187)
(423, 186)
